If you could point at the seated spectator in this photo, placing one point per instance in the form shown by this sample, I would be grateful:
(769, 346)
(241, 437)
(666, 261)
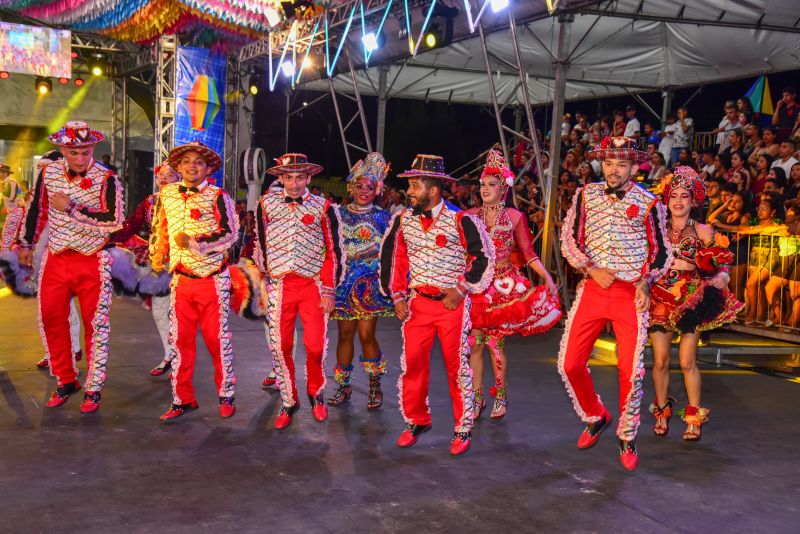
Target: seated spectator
(769, 146)
(618, 127)
(761, 171)
(786, 276)
(707, 169)
(787, 113)
(728, 190)
(794, 182)
(752, 136)
(745, 118)
(605, 127)
(764, 255)
(722, 163)
(586, 174)
(738, 166)
(741, 181)
(728, 217)
(651, 134)
(657, 168)
(735, 142)
(786, 157)
(571, 163)
(713, 196)
(777, 174)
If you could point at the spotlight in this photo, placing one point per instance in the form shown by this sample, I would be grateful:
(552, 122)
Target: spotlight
(98, 65)
(73, 55)
(43, 85)
(372, 41)
(63, 81)
(253, 88)
(433, 36)
(288, 69)
(498, 5)
(3, 75)
(307, 63)
(79, 82)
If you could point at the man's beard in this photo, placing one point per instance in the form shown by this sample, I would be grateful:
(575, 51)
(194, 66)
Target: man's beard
(422, 200)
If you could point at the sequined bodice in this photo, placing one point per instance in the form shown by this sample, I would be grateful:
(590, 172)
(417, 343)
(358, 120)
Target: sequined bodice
(685, 244)
(363, 232)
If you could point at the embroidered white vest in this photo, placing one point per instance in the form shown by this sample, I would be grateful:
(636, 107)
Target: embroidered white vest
(180, 219)
(293, 235)
(67, 232)
(615, 233)
(436, 257)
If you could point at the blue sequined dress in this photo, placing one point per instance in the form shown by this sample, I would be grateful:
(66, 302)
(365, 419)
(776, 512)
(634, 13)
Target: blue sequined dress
(358, 296)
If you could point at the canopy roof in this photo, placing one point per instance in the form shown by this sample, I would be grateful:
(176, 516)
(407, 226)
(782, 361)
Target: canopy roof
(616, 47)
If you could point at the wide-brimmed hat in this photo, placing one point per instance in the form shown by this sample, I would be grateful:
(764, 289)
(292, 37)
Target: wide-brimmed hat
(76, 134)
(6, 168)
(426, 165)
(213, 159)
(619, 148)
(294, 162)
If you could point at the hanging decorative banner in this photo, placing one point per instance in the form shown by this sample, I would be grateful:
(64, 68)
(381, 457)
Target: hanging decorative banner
(200, 114)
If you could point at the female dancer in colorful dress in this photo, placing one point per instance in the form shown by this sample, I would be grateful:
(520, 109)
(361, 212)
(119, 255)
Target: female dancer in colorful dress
(511, 305)
(359, 302)
(692, 298)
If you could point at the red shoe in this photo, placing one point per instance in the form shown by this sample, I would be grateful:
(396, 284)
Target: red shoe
(227, 407)
(591, 434)
(411, 434)
(284, 418)
(177, 410)
(44, 363)
(270, 380)
(461, 442)
(318, 408)
(628, 456)
(161, 369)
(91, 402)
(62, 394)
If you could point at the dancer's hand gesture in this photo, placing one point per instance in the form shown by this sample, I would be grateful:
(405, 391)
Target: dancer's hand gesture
(642, 298)
(452, 298)
(328, 304)
(26, 258)
(59, 201)
(604, 277)
(401, 309)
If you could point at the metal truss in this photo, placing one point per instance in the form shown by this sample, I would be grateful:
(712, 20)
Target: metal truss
(233, 99)
(344, 127)
(166, 82)
(119, 123)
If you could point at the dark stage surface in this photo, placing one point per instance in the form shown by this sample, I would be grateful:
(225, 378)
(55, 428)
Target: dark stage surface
(122, 470)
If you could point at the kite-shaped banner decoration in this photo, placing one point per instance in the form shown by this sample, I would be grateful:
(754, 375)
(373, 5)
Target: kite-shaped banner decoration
(203, 102)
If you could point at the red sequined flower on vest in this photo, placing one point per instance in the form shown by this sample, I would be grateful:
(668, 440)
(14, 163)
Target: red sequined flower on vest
(308, 219)
(195, 214)
(441, 240)
(86, 183)
(633, 211)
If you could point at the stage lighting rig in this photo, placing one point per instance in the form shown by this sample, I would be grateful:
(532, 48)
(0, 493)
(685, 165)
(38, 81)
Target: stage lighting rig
(98, 65)
(43, 85)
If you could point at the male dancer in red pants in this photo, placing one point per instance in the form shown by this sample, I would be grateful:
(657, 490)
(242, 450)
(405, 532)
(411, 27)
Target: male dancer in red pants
(194, 225)
(298, 248)
(82, 201)
(430, 259)
(614, 234)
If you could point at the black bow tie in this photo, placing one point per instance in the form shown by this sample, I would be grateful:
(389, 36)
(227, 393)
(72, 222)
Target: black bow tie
(184, 189)
(73, 174)
(618, 192)
(289, 200)
(424, 213)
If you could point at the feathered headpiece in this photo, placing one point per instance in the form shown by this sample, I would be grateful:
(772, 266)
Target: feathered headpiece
(374, 167)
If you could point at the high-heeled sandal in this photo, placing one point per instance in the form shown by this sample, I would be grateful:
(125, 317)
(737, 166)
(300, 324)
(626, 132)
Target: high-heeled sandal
(500, 402)
(694, 416)
(662, 413)
(479, 404)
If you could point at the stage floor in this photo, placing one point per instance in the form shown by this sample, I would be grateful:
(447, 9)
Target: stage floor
(122, 470)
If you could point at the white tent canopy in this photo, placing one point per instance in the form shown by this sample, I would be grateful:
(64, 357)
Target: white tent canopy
(616, 48)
